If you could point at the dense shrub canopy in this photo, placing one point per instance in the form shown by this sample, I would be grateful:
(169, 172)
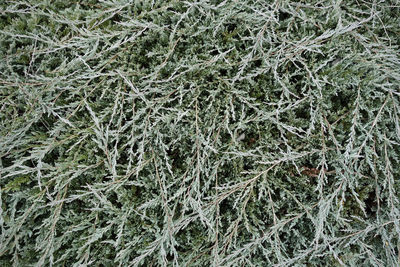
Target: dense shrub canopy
(196, 133)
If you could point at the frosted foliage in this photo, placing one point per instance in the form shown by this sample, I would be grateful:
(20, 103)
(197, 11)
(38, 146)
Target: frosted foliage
(199, 133)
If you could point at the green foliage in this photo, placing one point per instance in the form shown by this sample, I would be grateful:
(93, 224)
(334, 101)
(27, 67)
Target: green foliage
(196, 133)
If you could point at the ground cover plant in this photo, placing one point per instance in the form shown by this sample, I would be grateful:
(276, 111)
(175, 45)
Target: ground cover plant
(199, 133)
